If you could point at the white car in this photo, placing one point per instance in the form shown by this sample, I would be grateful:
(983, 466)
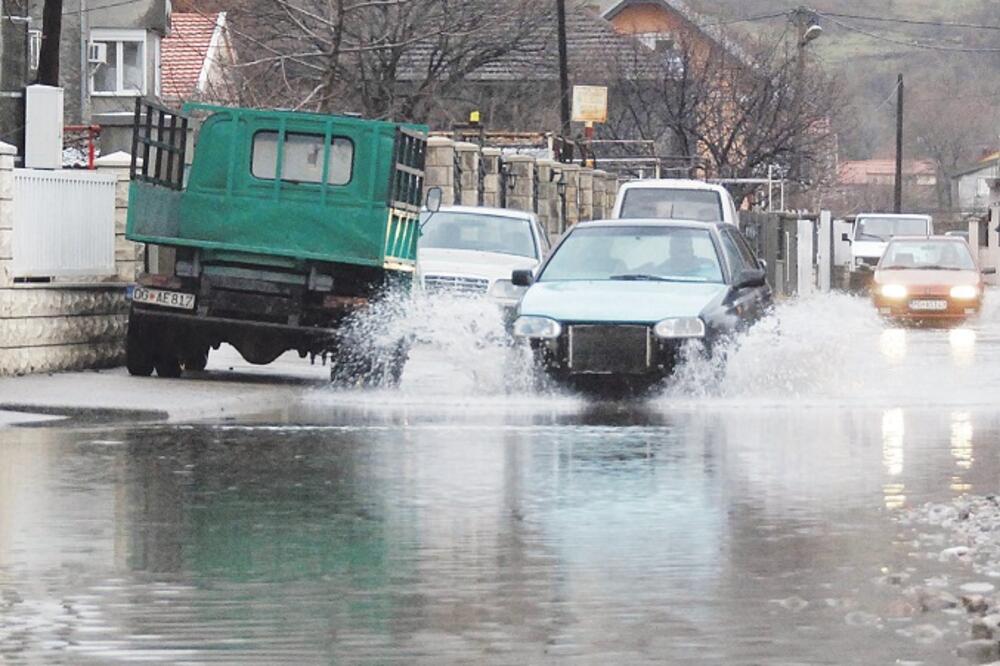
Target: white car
(676, 199)
(873, 231)
(473, 251)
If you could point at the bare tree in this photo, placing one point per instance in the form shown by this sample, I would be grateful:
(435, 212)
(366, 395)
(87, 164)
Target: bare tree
(381, 58)
(735, 110)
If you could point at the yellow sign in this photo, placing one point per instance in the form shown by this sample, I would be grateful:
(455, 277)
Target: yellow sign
(590, 104)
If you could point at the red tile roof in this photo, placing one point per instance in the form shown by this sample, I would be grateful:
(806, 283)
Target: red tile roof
(183, 53)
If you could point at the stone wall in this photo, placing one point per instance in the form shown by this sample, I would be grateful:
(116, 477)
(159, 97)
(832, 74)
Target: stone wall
(54, 326)
(559, 194)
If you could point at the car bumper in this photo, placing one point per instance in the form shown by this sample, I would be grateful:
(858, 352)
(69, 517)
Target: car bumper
(955, 309)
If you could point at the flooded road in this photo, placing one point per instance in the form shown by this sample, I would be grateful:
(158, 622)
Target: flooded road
(756, 519)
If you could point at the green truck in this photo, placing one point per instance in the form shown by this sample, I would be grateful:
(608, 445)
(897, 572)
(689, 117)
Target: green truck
(282, 232)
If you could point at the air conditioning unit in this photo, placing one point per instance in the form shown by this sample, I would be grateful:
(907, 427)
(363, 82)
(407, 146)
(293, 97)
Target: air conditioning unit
(97, 53)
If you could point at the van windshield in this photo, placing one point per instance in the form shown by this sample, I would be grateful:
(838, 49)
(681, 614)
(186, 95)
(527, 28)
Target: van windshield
(884, 228)
(670, 203)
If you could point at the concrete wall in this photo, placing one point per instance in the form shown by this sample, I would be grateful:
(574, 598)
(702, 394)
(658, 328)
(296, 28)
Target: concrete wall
(48, 327)
(588, 194)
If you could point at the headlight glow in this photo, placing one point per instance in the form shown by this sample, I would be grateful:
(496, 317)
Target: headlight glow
(680, 327)
(505, 289)
(895, 291)
(536, 327)
(964, 292)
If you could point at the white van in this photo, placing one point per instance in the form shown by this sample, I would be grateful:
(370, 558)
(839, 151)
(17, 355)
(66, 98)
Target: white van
(873, 231)
(675, 198)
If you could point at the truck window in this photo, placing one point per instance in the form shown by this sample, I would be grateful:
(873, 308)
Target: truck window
(669, 203)
(884, 228)
(303, 158)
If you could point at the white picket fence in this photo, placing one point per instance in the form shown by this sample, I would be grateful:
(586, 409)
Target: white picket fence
(64, 224)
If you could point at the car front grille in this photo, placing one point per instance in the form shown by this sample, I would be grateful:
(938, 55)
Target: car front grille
(456, 284)
(597, 349)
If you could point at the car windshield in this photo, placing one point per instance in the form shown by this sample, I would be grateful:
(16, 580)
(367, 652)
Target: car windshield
(669, 203)
(675, 254)
(450, 230)
(884, 228)
(940, 255)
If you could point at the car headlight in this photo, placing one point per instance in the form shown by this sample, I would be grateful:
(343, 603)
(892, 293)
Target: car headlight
(506, 290)
(536, 327)
(894, 291)
(680, 327)
(964, 292)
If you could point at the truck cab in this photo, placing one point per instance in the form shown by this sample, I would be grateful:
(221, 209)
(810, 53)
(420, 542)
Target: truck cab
(675, 198)
(284, 230)
(870, 236)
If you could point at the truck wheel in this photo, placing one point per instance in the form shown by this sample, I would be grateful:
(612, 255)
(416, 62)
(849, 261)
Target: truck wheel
(168, 366)
(196, 360)
(138, 356)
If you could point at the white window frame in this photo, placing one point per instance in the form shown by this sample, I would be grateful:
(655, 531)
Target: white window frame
(121, 37)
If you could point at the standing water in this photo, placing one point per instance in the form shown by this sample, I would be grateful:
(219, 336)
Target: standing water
(767, 506)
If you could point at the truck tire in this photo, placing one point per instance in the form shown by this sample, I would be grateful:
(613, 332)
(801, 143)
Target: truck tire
(168, 366)
(196, 360)
(138, 355)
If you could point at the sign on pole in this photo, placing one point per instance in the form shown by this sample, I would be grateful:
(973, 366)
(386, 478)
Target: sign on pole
(590, 104)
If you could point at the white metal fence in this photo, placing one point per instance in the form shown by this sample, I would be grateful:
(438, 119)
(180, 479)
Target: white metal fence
(64, 224)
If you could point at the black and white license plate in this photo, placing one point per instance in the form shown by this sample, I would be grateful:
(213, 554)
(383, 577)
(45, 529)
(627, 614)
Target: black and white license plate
(166, 299)
(929, 305)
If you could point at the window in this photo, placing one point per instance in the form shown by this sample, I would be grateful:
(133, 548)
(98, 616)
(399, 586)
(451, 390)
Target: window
(123, 70)
(737, 263)
(479, 233)
(672, 203)
(34, 49)
(302, 161)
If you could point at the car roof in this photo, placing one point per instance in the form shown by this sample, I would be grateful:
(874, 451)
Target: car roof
(652, 222)
(672, 184)
(924, 239)
(908, 216)
(484, 210)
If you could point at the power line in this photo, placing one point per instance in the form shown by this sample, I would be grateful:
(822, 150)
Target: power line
(912, 44)
(744, 19)
(909, 21)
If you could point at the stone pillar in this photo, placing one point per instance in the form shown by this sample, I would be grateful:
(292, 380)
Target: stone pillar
(439, 170)
(467, 157)
(490, 164)
(557, 209)
(7, 153)
(572, 174)
(546, 192)
(610, 193)
(521, 182)
(600, 207)
(129, 257)
(585, 183)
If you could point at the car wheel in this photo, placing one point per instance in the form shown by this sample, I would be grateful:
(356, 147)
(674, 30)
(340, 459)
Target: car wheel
(168, 366)
(196, 360)
(138, 355)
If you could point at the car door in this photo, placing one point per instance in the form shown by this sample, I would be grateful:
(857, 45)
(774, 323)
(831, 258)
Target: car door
(750, 302)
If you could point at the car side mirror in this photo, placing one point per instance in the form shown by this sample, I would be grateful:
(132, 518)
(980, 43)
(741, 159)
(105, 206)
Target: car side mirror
(844, 237)
(522, 278)
(433, 199)
(762, 264)
(989, 271)
(751, 277)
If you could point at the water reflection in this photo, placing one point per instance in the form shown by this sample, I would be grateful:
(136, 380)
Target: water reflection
(962, 342)
(893, 432)
(892, 344)
(961, 439)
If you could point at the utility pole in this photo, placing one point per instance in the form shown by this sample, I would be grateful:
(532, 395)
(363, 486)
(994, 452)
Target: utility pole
(808, 28)
(898, 194)
(566, 151)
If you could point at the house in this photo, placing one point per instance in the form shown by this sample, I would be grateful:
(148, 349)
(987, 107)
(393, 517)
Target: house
(971, 185)
(195, 57)
(868, 185)
(663, 24)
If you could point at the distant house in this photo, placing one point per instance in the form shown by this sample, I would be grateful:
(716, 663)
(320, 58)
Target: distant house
(971, 185)
(664, 24)
(194, 59)
(868, 185)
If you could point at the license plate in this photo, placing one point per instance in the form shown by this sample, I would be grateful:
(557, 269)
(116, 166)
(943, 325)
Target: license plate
(166, 299)
(929, 305)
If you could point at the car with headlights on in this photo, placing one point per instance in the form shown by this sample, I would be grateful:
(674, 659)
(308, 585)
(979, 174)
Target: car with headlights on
(620, 298)
(933, 278)
(471, 251)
